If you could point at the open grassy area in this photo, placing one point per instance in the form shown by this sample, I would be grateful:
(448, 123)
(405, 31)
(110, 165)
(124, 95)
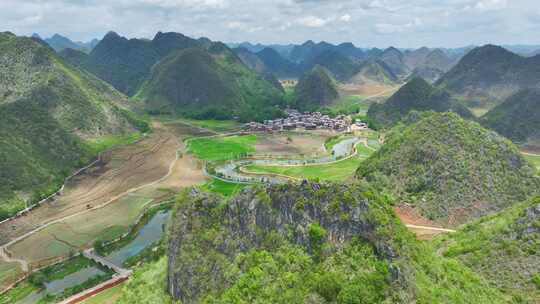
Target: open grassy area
(214, 125)
(108, 296)
(534, 159)
(223, 188)
(107, 142)
(9, 272)
(338, 171)
(350, 104)
(222, 148)
(18, 293)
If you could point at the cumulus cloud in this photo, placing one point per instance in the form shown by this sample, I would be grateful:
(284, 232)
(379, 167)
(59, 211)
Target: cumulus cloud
(312, 21)
(389, 28)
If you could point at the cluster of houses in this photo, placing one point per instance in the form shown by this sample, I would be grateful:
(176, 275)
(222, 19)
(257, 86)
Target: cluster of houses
(307, 121)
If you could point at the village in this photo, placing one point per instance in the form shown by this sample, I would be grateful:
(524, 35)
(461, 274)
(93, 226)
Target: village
(307, 121)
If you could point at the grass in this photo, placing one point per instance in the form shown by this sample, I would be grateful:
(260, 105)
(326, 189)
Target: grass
(107, 142)
(108, 296)
(222, 148)
(211, 124)
(534, 159)
(18, 293)
(61, 270)
(332, 141)
(223, 188)
(350, 104)
(338, 171)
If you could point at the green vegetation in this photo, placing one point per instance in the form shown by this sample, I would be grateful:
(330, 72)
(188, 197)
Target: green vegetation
(223, 188)
(351, 104)
(534, 159)
(210, 84)
(35, 283)
(338, 171)
(214, 125)
(222, 148)
(315, 89)
(503, 248)
(21, 291)
(443, 164)
(147, 285)
(288, 256)
(47, 107)
(108, 142)
(416, 95)
(517, 118)
(489, 74)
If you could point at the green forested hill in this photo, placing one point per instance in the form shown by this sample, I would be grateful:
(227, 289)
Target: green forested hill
(517, 118)
(488, 75)
(48, 108)
(315, 89)
(126, 63)
(211, 83)
(503, 248)
(309, 243)
(452, 169)
(416, 95)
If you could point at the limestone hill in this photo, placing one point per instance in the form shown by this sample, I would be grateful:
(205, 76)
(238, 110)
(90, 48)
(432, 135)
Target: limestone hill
(488, 75)
(315, 89)
(452, 169)
(309, 243)
(517, 118)
(211, 83)
(416, 95)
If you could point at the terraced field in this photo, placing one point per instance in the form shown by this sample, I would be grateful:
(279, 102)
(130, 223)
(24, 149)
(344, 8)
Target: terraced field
(104, 201)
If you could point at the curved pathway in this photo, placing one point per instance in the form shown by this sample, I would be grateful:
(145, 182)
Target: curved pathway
(24, 264)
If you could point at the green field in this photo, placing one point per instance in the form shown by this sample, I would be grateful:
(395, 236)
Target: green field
(18, 293)
(534, 159)
(107, 142)
(338, 171)
(214, 125)
(223, 188)
(351, 104)
(222, 148)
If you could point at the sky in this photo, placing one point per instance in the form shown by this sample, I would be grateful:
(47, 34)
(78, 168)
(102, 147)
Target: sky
(367, 23)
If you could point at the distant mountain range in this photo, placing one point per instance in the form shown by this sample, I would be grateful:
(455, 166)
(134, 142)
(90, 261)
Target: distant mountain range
(60, 43)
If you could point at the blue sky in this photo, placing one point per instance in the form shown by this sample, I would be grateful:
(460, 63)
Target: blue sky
(381, 23)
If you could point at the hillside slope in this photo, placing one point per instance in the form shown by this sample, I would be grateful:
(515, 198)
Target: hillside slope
(416, 95)
(488, 75)
(48, 109)
(125, 64)
(453, 170)
(503, 248)
(517, 118)
(314, 89)
(309, 243)
(210, 83)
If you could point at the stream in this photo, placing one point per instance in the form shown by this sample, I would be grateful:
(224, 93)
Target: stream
(150, 233)
(230, 171)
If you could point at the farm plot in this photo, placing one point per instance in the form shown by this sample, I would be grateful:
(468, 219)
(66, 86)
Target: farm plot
(292, 144)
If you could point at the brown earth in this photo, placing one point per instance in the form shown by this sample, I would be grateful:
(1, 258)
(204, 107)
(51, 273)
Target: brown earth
(422, 227)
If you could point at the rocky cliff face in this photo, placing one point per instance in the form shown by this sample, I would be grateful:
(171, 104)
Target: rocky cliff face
(308, 243)
(208, 232)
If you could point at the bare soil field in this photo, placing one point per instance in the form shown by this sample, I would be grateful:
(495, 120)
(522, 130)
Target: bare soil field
(422, 227)
(127, 181)
(300, 144)
(368, 90)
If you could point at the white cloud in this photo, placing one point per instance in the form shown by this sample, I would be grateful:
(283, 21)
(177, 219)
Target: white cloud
(185, 3)
(345, 18)
(312, 21)
(487, 5)
(389, 28)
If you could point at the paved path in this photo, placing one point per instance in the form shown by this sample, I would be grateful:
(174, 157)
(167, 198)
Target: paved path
(430, 228)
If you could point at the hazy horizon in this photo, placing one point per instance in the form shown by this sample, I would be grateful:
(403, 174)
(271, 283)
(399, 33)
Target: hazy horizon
(366, 23)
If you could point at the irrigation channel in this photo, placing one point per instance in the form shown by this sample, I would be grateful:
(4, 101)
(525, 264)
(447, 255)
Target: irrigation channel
(150, 233)
(232, 171)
